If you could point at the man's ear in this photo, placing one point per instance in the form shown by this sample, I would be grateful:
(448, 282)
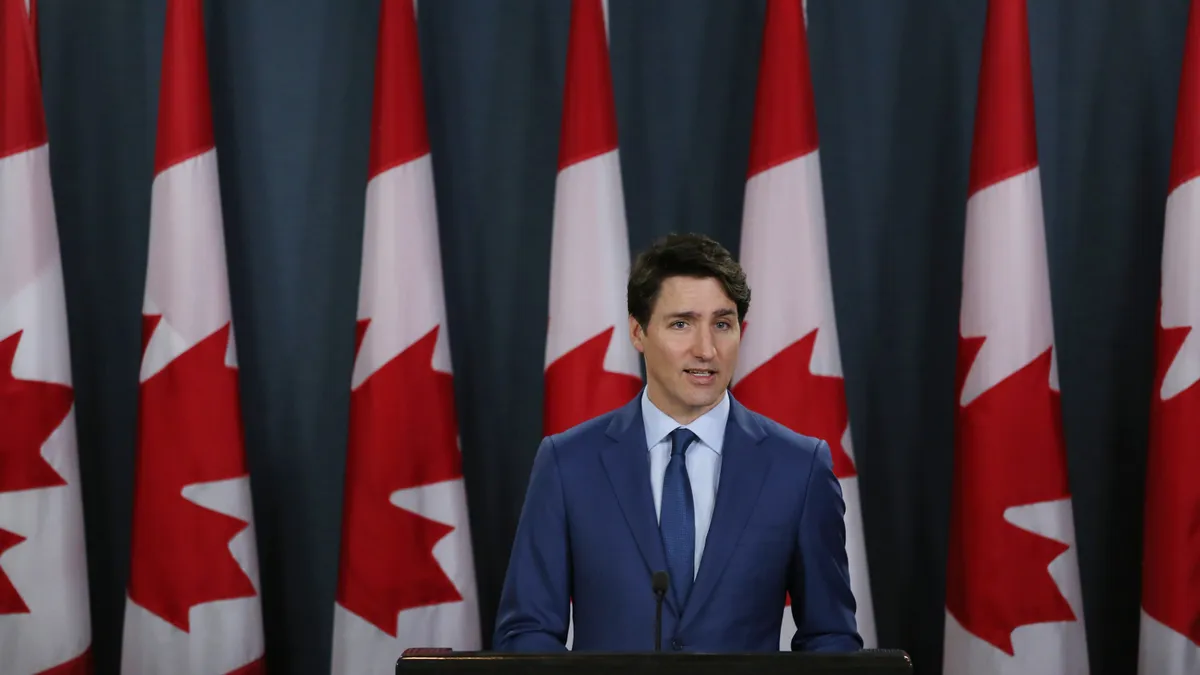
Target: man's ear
(636, 335)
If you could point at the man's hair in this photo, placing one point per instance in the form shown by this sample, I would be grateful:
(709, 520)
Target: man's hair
(683, 255)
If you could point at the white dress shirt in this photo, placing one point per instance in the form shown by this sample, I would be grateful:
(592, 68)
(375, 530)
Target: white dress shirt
(703, 460)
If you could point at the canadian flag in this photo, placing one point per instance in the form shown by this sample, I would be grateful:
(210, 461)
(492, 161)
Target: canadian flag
(407, 576)
(790, 366)
(1170, 620)
(1013, 601)
(44, 619)
(193, 598)
(591, 367)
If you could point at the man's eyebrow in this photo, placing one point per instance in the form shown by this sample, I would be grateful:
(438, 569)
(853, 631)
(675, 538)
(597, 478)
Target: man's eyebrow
(692, 315)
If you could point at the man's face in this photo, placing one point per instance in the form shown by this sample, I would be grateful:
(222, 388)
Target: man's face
(690, 345)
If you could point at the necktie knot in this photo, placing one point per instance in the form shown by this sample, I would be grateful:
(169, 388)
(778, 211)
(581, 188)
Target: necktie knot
(681, 440)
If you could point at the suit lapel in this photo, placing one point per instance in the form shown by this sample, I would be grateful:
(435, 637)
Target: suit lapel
(627, 463)
(744, 466)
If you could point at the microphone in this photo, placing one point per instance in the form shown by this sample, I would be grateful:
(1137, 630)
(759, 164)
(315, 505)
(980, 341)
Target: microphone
(659, 582)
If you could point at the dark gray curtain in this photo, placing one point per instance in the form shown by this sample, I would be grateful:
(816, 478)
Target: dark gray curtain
(895, 87)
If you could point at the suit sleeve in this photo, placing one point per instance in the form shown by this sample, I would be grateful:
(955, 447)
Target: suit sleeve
(823, 605)
(534, 607)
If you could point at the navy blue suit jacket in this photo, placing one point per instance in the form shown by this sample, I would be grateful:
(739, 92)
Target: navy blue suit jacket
(588, 532)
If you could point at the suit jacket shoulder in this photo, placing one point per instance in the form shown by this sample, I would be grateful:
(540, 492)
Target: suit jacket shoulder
(583, 441)
(584, 434)
(792, 446)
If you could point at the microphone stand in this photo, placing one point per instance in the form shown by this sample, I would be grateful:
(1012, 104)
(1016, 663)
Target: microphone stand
(658, 622)
(660, 583)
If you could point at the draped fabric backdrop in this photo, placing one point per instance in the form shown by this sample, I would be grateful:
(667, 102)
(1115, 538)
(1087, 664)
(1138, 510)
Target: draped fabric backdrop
(895, 85)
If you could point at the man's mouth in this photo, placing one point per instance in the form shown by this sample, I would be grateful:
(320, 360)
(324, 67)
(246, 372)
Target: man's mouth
(700, 375)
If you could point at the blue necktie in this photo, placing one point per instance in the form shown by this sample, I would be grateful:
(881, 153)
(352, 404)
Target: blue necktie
(677, 520)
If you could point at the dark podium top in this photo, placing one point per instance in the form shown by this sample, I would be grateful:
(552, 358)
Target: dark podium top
(445, 662)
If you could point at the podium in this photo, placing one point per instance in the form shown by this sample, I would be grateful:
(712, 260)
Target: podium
(446, 662)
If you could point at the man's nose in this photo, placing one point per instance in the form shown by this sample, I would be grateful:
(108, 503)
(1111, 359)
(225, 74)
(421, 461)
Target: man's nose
(704, 347)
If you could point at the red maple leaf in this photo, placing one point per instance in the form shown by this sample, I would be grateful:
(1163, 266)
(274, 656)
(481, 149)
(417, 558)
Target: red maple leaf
(30, 411)
(1009, 452)
(1171, 582)
(255, 667)
(403, 434)
(578, 388)
(190, 432)
(10, 600)
(785, 389)
(80, 665)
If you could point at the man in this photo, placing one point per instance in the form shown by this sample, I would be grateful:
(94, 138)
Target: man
(737, 509)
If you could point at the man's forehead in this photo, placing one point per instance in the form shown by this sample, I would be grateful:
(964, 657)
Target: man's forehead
(695, 300)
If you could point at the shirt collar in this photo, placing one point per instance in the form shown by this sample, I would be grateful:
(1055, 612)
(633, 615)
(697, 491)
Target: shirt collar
(709, 427)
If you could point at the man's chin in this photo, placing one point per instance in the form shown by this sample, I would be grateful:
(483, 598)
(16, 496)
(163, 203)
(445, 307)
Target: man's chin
(707, 398)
